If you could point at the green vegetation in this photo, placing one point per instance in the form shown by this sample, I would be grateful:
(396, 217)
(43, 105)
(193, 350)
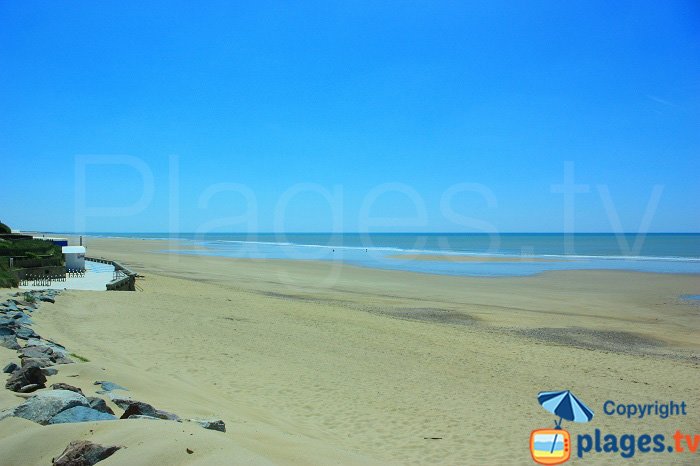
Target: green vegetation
(28, 297)
(26, 253)
(79, 357)
(7, 278)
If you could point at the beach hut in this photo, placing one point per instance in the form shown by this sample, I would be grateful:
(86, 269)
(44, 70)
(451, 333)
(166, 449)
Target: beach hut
(74, 257)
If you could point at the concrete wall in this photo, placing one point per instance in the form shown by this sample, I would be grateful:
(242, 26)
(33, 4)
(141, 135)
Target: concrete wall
(125, 283)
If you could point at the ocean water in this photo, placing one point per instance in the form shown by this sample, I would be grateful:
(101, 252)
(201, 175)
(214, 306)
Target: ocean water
(658, 252)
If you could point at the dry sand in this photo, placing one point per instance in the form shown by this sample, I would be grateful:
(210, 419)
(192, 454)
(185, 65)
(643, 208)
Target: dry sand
(318, 363)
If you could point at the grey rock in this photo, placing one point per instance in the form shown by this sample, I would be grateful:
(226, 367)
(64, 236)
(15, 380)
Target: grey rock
(57, 349)
(136, 408)
(36, 352)
(47, 299)
(63, 360)
(139, 408)
(9, 342)
(143, 416)
(42, 407)
(10, 368)
(27, 375)
(80, 414)
(211, 424)
(26, 333)
(99, 404)
(109, 386)
(37, 362)
(10, 305)
(6, 331)
(23, 303)
(83, 453)
(48, 371)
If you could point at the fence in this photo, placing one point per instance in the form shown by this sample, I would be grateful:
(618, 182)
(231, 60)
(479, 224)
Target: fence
(123, 279)
(41, 280)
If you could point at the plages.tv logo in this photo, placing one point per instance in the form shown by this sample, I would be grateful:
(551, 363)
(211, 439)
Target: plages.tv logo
(553, 446)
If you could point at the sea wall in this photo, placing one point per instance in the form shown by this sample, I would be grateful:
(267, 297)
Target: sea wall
(124, 278)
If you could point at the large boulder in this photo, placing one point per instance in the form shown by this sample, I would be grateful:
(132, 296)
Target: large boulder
(27, 375)
(42, 407)
(80, 414)
(83, 453)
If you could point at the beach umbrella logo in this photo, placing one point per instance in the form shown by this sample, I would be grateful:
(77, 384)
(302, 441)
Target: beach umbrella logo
(553, 446)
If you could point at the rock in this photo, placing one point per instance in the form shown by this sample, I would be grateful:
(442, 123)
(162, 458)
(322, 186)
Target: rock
(6, 321)
(22, 303)
(44, 355)
(142, 416)
(211, 424)
(48, 371)
(36, 352)
(10, 305)
(63, 360)
(31, 388)
(139, 408)
(99, 404)
(47, 299)
(6, 331)
(10, 368)
(189, 452)
(80, 414)
(109, 386)
(55, 347)
(83, 453)
(42, 407)
(37, 362)
(26, 375)
(26, 333)
(65, 386)
(9, 342)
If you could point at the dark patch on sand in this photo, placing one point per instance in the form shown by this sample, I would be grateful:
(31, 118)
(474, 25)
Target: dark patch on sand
(236, 319)
(293, 297)
(618, 341)
(429, 314)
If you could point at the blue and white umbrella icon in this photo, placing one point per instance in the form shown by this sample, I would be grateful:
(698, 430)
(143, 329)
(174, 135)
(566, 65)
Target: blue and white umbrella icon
(565, 405)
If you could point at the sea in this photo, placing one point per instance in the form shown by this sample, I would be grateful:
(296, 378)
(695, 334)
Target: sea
(518, 254)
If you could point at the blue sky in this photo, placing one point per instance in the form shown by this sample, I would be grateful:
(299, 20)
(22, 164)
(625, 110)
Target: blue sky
(356, 98)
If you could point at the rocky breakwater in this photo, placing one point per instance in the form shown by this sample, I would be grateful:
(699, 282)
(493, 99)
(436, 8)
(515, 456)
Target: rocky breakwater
(40, 358)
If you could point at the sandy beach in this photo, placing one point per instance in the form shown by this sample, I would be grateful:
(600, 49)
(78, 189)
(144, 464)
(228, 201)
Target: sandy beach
(320, 363)
(455, 258)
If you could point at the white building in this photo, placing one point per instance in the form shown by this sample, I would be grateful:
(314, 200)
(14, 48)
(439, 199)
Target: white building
(74, 256)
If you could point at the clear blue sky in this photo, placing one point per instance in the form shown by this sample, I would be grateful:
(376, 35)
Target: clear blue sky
(352, 95)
